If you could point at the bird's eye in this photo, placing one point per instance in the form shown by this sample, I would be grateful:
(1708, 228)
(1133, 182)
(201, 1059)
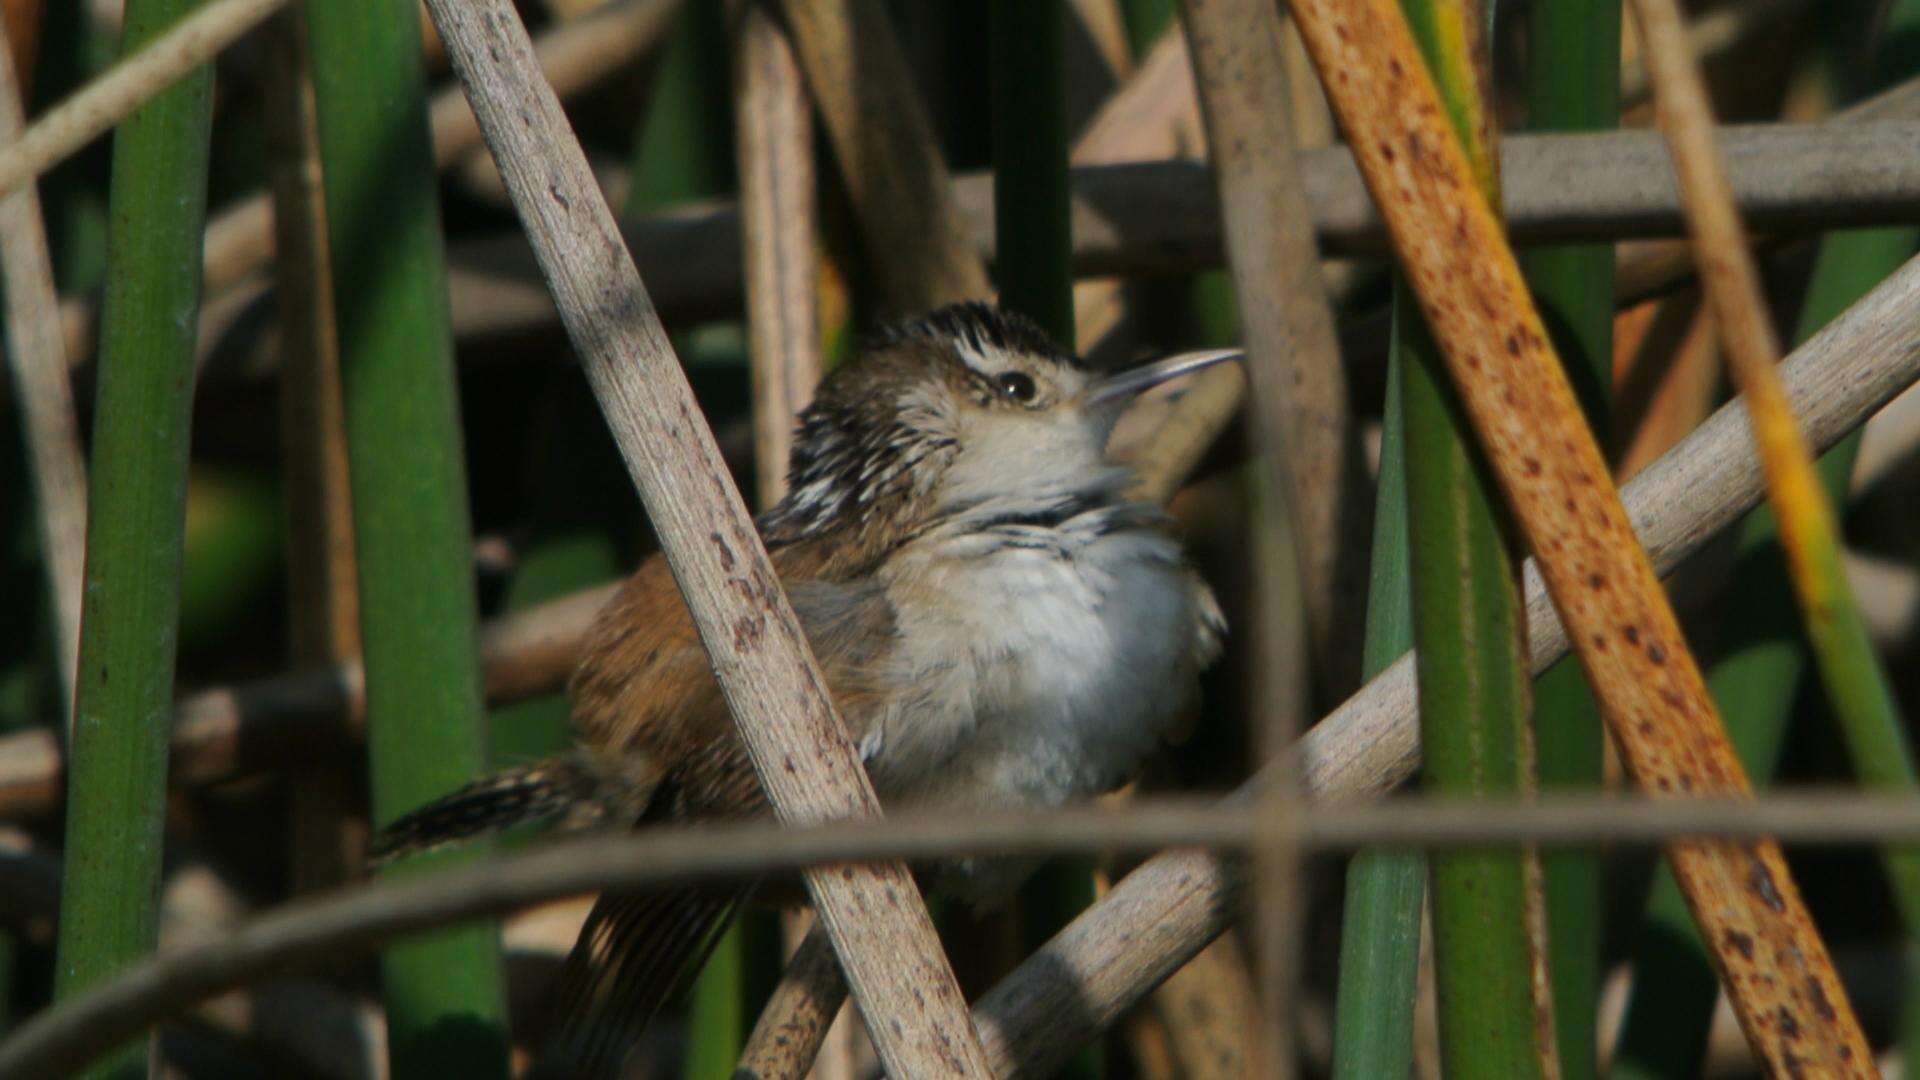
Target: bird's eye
(1016, 385)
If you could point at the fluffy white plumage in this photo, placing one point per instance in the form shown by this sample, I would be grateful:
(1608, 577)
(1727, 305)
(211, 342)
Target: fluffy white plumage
(1051, 630)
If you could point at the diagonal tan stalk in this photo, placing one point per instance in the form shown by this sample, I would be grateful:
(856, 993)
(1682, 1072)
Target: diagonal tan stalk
(1727, 269)
(773, 686)
(1651, 694)
(793, 1025)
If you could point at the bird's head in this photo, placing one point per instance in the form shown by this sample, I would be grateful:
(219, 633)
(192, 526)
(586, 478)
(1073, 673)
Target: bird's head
(968, 408)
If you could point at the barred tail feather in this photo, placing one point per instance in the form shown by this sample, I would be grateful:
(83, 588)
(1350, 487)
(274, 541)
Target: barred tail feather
(544, 789)
(635, 952)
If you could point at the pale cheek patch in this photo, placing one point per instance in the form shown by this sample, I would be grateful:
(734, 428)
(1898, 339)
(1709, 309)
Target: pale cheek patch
(1006, 454)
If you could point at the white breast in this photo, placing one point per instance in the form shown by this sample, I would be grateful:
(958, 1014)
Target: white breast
(1045, 663)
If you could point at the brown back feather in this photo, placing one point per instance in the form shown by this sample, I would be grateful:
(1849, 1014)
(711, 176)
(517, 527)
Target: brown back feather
(644, 691)
(645, 688)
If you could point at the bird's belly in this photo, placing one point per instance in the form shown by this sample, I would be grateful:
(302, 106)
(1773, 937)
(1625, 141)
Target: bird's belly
(1043, 674)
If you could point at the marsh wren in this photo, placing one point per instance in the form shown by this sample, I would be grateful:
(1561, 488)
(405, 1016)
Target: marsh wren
(999, 624)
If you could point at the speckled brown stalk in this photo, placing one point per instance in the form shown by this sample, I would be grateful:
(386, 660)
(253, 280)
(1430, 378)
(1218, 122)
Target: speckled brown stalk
(1777, 972)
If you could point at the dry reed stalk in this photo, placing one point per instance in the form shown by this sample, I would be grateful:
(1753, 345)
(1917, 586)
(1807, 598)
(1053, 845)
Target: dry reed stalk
(1310, 115)
(1153, 116)
(1162, 217)
(888, 159)
(792, 1026)
(1649, 269)
(773, 141)
(810, 770)
(1303, 432)
(1649, 688)
(1787, 177)
(106, 101)
(328, 831)
(1149, 1046)
(1645, 268)
(302, 716)
(37, 361)
(1214, 1018)
(1299, 387)
(1888, 593)
(326, 626)
(1613, 185)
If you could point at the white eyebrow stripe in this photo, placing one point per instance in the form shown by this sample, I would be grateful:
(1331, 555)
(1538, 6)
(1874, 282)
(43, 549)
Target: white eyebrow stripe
(972, 354)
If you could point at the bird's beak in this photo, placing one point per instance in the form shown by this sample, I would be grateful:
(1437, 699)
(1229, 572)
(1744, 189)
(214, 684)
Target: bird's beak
(1124, 385)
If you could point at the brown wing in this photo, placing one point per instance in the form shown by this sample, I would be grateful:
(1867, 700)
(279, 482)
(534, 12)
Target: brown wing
(644, 690)
(644, 698)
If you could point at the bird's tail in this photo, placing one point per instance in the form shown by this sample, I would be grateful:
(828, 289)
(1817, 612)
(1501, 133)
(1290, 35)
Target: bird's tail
(634, 953)
(566, 786)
